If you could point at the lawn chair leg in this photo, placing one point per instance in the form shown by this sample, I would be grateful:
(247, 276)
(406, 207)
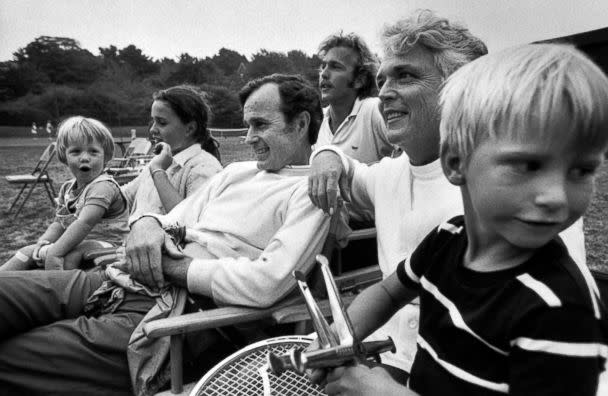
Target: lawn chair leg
(16, 198)
(27, 196)
(176, 361)
(50, 192)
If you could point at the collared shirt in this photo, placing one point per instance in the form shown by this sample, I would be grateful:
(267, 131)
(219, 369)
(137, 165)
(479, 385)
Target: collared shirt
(191, 168)
(362, 134)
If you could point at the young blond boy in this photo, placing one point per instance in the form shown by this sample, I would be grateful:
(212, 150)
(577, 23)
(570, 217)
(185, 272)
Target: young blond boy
(91, 211)
(504, 309)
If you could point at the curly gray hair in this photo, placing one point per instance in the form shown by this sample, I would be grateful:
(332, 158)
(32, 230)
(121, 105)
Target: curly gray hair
(451, 44)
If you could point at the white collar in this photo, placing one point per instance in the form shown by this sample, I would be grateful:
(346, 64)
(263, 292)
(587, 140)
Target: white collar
(183, 156)
(353, 112)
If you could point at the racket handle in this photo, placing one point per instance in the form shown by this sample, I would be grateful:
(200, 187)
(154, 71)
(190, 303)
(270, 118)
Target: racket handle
(289, 361)
(324, 358)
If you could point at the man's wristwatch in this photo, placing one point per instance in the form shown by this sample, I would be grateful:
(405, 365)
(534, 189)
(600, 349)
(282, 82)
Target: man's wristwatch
(177, 234)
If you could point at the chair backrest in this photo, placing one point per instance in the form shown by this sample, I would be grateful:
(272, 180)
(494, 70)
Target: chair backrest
(45, 159)
(139, 146)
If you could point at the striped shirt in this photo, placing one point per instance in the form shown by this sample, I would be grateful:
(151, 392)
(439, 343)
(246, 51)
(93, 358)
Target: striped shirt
(529, 330)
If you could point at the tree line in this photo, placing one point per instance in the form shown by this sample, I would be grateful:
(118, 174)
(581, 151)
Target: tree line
(53, 77)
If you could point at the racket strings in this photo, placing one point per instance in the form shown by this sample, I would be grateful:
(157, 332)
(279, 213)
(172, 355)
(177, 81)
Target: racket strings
(242, 377)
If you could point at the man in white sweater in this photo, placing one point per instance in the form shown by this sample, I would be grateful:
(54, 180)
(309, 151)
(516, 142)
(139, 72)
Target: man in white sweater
(245, 231)
(253, 224)
(409, 195)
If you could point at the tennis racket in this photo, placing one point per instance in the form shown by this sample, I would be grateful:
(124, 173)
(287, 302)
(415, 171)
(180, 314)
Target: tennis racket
(245, 372)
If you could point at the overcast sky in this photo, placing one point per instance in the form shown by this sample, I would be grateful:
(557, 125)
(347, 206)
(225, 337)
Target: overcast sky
(167, 28)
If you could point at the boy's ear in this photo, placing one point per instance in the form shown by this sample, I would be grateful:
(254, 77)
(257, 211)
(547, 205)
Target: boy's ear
(453, 166)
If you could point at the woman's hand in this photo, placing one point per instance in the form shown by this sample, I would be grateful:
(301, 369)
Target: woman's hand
(164, 157)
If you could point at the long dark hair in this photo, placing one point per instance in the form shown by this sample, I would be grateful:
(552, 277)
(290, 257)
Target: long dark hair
(190, 104)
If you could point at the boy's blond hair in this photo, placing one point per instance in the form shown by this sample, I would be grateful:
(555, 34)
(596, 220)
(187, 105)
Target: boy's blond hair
(522, 90)
(82, 129)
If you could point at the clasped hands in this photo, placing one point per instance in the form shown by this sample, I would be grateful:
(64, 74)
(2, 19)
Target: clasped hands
(148, 252)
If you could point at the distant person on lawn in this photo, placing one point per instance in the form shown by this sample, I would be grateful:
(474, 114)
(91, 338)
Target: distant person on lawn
(91, 210)
(34, 130)
(49, 129)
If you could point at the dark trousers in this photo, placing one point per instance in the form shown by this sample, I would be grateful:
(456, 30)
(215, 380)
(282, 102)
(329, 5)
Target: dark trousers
(48, 347)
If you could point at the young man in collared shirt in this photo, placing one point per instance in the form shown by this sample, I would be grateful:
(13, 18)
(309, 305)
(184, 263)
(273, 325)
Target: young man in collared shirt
(352, 119)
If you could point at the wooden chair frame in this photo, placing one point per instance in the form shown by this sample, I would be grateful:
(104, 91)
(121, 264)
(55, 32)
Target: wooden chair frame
(128, 167)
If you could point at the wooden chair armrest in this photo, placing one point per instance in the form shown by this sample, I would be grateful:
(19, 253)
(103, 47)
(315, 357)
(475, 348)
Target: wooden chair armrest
(289, 310)
(211, 318)
(119, 171)
(358, 279)
(299, 312)
(351, 281)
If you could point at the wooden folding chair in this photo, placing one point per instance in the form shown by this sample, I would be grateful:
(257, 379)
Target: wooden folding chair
(137, 149)
(39, 175)
(125, 169)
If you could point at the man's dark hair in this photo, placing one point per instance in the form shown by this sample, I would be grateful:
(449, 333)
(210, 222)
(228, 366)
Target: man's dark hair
(367, 64)
(297, 95)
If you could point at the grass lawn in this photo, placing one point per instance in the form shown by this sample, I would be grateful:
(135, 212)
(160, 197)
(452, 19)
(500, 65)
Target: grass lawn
(18, 156)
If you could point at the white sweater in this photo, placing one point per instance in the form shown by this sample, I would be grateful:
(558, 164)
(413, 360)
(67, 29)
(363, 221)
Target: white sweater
(408, 202)
(248, 231)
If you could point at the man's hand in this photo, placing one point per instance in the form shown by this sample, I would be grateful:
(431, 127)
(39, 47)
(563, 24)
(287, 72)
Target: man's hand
(326, 173)
(143, 248)
(164, 157)
(360, 380)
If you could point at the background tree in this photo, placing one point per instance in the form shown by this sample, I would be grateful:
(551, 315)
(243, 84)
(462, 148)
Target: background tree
(140, 63)
(228, 61)
(53, 77)
(268, 62)
(59, 58)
